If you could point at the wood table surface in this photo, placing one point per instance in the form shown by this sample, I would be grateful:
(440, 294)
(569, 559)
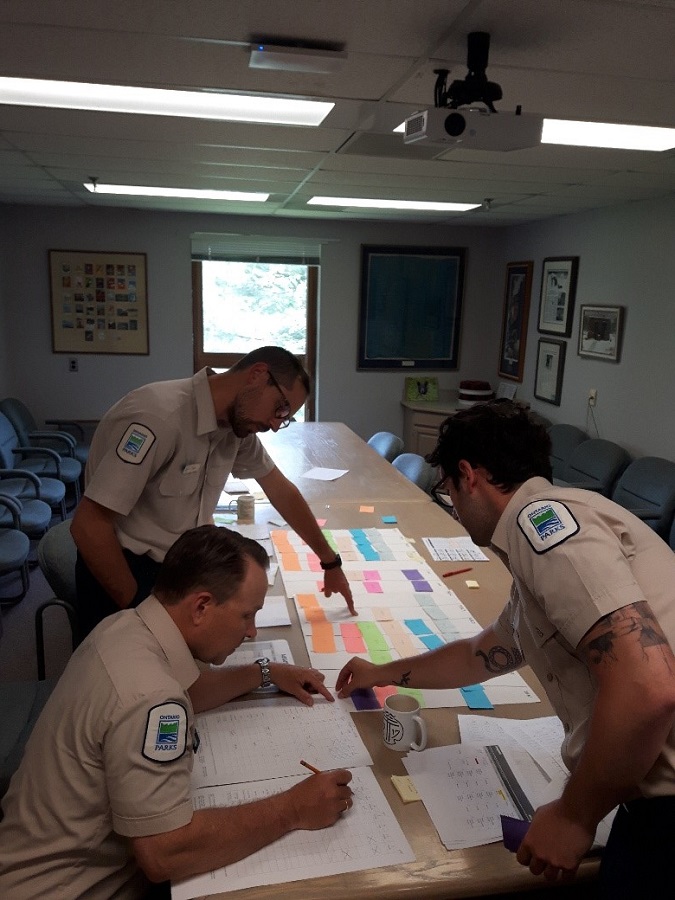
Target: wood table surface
(436, 872)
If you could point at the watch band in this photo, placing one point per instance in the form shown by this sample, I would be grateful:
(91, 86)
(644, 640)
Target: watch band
(337, 562)
(264, 664)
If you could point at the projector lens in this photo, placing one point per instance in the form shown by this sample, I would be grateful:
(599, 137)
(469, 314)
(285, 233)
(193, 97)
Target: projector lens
(455, 124)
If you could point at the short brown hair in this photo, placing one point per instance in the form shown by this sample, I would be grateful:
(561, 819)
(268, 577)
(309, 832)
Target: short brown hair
(285, 367)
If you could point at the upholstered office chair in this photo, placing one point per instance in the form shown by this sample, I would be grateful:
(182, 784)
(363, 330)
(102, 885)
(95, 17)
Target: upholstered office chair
(594, 465)
(14, 550)
(647, 488)
(564, 438)
(34, 517)
(57, 555)
(65, 443)
(386, 444)
(416, 469)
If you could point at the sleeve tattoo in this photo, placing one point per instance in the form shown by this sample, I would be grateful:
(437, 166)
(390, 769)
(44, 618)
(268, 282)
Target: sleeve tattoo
(501, 659)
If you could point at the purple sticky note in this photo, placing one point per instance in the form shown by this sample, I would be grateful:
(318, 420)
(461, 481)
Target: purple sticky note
(513, 831)
(364, 698)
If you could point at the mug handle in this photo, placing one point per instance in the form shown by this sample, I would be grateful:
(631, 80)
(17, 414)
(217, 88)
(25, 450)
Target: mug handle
(422, 725)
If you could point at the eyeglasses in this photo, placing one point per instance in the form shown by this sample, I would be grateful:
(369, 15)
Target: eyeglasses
(441, 495)
(283, 411)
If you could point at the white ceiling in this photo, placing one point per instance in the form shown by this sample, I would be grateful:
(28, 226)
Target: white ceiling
(607, 60)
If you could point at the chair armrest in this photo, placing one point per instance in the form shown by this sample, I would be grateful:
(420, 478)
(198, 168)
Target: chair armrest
(26, 475)
(584, 485)
(65, 424)
(41, 451)
(14, 507)
(67, 440)
(644, 513)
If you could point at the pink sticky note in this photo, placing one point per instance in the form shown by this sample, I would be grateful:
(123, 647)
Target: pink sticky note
(366, 509)
(373, 587)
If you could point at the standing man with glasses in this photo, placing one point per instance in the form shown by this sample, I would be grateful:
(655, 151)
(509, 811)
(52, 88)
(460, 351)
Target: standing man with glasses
(158, 463)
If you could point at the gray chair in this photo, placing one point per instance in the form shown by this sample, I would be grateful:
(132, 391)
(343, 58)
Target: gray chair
(564, 438)
(14, 550)
(647, 488)
(416, 469)
(385, 443)
(27, 430)
(594, 465)
(57, 556)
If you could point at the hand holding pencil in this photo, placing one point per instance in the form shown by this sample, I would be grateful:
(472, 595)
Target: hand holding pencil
(319, 801)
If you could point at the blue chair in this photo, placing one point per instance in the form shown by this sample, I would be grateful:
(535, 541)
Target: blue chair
(594, 465)
(28, 433)
(385, 443)
(14, 550)
(416, 469)
(647, 489)
(43, 461)
(564, 438)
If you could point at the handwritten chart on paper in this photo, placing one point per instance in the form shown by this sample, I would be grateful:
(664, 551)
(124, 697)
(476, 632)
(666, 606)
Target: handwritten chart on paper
(259, 739)
(404, 609)
(366, 837)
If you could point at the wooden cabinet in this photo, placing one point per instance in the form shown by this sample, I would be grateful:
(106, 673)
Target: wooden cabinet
(422, 420)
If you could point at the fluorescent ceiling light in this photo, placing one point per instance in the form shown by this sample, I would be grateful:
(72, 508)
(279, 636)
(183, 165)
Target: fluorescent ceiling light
(363, 202)
(602, 134)
(132, 190)
(160, 102)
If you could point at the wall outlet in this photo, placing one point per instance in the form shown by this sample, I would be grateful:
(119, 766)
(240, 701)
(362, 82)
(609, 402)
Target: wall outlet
(72, 364)
(592, 396)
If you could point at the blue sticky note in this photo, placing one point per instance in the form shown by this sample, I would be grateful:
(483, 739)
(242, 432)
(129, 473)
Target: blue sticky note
(389, 520)
(475, 697)
(431, 641)
(417, 626)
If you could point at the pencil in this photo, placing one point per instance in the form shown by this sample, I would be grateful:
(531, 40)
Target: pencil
(310, 767)
(456, 572)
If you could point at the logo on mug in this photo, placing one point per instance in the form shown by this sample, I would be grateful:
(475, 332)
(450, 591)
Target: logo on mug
(392, 730)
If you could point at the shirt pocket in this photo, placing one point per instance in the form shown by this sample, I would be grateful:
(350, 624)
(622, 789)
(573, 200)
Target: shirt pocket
(179, 483)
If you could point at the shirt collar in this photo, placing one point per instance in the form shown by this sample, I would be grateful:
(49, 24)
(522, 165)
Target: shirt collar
(529, 488)
(165, 630)
(206, 414)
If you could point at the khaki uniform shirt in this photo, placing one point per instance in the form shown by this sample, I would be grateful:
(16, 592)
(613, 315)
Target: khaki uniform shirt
(109, 758)
(576, 556)
(160, 460)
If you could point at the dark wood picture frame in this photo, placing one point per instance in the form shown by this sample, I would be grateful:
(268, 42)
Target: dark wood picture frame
(411, 307)
(550, 367)
(601, 332)
(559, 276)
(517, 291)
(99, 302)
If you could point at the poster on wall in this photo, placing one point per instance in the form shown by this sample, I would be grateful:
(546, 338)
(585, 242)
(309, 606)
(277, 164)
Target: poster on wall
(99, 302)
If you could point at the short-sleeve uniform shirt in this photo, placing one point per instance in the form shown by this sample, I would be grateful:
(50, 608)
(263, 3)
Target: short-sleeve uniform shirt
(576, 556)
(160, 459)
(109, 758)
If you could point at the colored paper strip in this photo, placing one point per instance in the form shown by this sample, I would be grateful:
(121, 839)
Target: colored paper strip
(323, 639)
(417, 626)
(373, 637)
(432, 641)
(352, 638)
(365, 699)
(475, 697)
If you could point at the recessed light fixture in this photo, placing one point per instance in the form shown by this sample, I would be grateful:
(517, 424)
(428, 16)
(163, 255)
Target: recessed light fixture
(131, 190)
(365, 203)
(296, 59)
(161, 102)
(607, 135)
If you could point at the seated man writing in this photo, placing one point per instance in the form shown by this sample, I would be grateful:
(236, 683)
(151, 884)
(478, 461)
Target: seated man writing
(101, 804)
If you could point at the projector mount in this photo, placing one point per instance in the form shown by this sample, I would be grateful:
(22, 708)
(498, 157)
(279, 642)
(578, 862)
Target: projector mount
(475, 87)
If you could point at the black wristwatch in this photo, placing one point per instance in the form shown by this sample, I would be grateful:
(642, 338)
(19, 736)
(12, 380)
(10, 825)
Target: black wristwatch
(264, 664)
(337, 562)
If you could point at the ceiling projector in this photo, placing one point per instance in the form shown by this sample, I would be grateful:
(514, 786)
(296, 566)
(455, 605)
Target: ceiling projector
(474, 128)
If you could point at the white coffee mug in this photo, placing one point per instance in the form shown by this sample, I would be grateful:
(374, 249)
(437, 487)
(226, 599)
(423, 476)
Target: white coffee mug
(403, 728)
(245, 506)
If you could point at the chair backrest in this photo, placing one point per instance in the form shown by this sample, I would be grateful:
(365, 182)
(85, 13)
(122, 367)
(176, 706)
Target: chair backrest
(647, 488)
(597, 462)
(20, 417)
(386, 444)
(416, 469)
(564, 438)
(8, 441)
(57, 555)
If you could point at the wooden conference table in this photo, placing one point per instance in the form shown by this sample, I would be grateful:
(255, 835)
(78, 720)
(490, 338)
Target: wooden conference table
(436, 872)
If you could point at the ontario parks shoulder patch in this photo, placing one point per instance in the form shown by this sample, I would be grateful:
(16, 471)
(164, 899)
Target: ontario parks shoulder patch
(546, 524)
(165, 733)
(135, 443)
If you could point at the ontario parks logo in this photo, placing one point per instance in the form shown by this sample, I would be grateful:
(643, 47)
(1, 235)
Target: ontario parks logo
(167, 732)
(545, 521)
(134, 443)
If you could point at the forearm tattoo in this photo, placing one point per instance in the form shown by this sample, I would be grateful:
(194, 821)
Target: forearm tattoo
(405, 679)
(501, 659)
(637, 620)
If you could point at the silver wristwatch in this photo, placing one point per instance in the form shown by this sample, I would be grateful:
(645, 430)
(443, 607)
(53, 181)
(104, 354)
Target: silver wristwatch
(264, 664)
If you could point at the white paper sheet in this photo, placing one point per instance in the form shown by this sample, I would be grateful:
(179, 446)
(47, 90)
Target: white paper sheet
(366, 837)
(251, 741)
(456, 549)
(322, 474)
(273, 613)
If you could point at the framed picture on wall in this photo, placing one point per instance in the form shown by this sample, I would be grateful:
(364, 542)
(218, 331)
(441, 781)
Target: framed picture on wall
(99, 302)
(600, 332)
(514, 319)
(558, 290)
(411, 307)
(550, 367)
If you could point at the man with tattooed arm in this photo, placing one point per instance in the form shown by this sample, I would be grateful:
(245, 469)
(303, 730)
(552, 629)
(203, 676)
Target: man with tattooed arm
(592, 611)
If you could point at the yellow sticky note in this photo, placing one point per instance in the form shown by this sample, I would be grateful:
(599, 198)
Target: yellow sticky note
(472, 584)
(405, 788)
(366, 509)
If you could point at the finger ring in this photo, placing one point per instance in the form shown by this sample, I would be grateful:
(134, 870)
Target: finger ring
(346, 805)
